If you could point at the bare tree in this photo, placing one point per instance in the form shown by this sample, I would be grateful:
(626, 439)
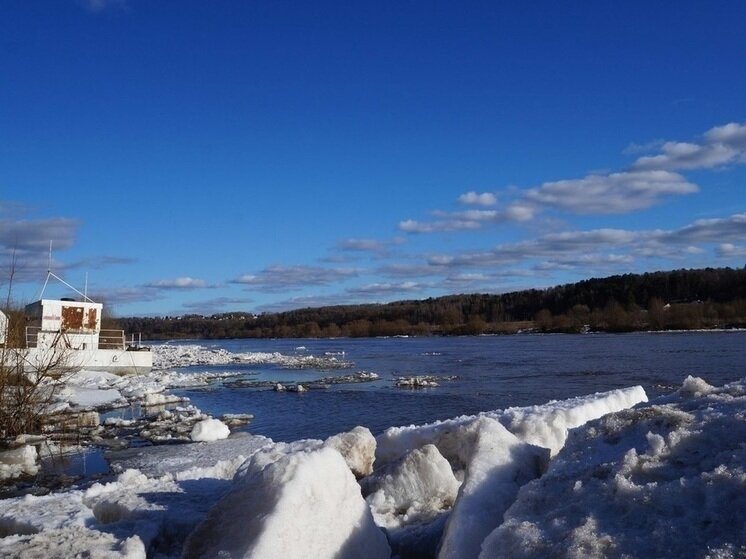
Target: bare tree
(27, 386)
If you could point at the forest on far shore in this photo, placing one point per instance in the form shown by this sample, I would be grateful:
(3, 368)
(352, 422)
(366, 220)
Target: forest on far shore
(673, 300)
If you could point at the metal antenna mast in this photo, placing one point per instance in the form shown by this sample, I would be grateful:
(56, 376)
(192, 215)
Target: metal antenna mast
(51, 274)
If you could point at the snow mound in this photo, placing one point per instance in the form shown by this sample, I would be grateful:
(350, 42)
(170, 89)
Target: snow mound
(296, 504)
(416, 488)
(18, 461)
(545, 425)
(500, 464)
(667, 480)
(357, 447)
(209, 430)
(73, 542)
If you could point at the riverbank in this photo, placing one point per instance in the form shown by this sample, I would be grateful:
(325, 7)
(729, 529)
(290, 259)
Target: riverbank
(628, 469)
(146, 488)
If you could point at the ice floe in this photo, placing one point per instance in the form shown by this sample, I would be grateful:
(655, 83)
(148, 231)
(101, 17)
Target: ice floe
(172, 356)
(303, 503)
(209, 430)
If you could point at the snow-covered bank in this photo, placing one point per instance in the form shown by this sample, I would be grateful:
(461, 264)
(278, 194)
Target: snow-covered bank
(605, 475)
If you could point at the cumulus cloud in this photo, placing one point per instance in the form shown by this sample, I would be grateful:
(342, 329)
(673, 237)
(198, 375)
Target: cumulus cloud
(722, 145)
(440, 226)
(475, 199)
(401, 270)
(467, 220)
(722, 229)
(362, 245)
(613, 193)
(178, 283)
(595, 261)
(650, 179)
(603, 247)
(283, 278)
(729, 250)
(373, 247)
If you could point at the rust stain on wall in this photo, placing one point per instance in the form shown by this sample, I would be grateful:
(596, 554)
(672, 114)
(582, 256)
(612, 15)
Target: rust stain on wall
(91, 323)
(72, 318)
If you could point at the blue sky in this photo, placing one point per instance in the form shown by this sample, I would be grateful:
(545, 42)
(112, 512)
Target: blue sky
(212, 156)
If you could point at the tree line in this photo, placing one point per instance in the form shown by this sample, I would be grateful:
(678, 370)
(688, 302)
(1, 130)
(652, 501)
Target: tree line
(678, 299)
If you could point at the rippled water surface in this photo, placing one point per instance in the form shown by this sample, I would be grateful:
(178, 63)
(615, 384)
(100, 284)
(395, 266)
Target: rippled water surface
(493, 372)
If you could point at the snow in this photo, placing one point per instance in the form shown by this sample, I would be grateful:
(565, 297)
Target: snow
(547, 425)
(18, 461)
(665, 480)
(357, 447)
(500, 464)
(296, 504)
(604, 475)
(153, 508)
(416, 488)
(210, 430)
(544, 425)
(218, 459)
(168, 356)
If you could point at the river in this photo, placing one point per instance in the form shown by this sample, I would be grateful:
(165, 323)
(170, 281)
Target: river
(492, 372)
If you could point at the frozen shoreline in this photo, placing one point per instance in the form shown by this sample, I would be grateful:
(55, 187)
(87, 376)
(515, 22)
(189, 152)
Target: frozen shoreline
(602, 475)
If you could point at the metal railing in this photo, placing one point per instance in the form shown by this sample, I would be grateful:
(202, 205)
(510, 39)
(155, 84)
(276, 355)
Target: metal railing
(32, 336)
(107, 339)
(111, 339)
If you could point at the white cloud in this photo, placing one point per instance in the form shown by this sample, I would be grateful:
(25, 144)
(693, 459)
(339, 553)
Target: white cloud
(635, 148)
(729, 250)
(399, 270)
(440, 226)
(578, 249)
(468, 215)
(283, 278)
(613, 193)
(725, 229)
(374, 247)
(595, 261)
(474, 199)
(178, 283)
(722, 145)
(733, 134)
(362, 245)
(519, 212)
(650, 179)
(377, 289)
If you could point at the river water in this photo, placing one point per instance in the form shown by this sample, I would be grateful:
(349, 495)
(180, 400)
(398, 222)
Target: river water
(493, 372)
